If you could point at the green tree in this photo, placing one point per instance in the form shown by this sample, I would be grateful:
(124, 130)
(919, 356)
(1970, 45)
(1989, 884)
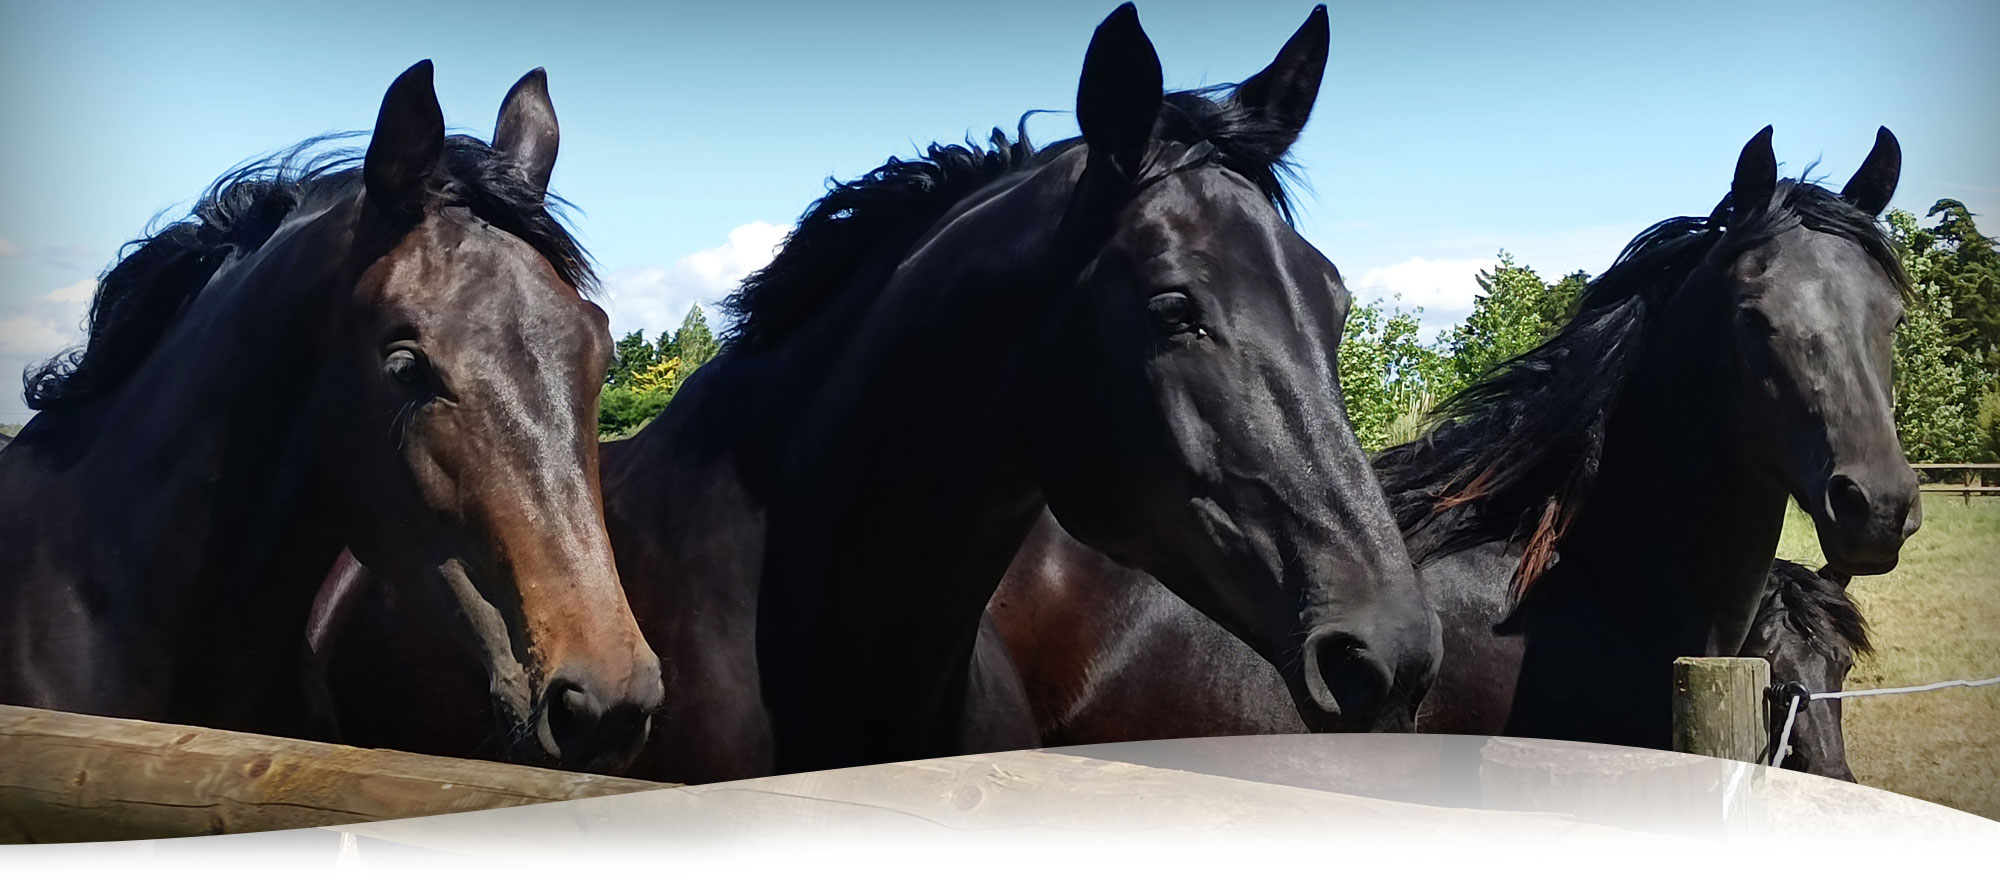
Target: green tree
(1511, 314)
(646, 376)
(1989, 420)
(1563, 296)
(1388, 376)
(1941, 386)
(1970, 274)
(622, 411)
(630, 355)
(1937, 389)
(694, 343)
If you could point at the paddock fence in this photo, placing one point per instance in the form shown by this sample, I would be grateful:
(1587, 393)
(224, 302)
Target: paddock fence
(1972, 479)
(1725, 706)
(66, 777)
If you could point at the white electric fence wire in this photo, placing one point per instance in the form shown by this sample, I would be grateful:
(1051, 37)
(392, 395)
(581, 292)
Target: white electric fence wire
(1912, 689)
(1784, 747)
(1785, 738)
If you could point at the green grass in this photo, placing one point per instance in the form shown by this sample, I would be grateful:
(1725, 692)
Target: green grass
(1935, 618)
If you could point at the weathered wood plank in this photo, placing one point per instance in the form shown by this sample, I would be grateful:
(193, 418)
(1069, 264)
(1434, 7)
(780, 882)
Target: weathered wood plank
(67, 777)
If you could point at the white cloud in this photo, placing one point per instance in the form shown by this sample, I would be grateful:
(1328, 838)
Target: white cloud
(1443, 288)
(30, 338)
(34, 329)
(78, 293)
(11, 249)
(1436, 284)
(656, 298)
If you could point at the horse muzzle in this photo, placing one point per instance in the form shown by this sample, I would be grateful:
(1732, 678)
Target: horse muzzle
(1864, 519)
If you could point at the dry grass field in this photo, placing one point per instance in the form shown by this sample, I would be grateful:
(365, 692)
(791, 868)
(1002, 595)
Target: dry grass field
(1935, 618)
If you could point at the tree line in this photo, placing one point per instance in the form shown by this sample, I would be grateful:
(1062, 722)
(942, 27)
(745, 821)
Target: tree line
(644, 375)
(1947, 352)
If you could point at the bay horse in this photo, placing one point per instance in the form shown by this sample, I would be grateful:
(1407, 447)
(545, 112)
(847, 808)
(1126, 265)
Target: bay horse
(393, 356)
(1122, 327)
(1720, 367)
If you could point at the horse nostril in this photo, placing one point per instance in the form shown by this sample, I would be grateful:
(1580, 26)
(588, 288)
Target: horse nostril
(1846, 501)
(1352, 682)
(570, 714)
(581, 729)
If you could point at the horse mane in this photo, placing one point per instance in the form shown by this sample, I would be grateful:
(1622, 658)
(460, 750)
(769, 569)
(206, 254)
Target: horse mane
(1515, 455)
(157, 276)
(888, 208)
(1817, 608)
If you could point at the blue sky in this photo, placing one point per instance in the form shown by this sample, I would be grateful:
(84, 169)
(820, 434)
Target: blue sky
(694, 134)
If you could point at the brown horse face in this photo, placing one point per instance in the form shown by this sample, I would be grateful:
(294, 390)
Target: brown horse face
(469, 458)
(1814, 322)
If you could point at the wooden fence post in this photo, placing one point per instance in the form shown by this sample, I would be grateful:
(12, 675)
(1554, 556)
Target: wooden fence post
(1719, 706)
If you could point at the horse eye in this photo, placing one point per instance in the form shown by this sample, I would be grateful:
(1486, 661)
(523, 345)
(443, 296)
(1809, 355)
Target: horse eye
(406, 366)
(1173, 312)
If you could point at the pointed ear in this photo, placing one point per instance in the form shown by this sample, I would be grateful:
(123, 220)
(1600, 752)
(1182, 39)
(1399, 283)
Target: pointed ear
(408, 143)
(1756, 178)
(1283, 93)
(1118, 97)
(1871, 188)
(526, 133)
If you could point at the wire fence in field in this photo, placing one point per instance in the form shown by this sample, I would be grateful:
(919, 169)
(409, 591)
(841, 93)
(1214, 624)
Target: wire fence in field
(1795, 696)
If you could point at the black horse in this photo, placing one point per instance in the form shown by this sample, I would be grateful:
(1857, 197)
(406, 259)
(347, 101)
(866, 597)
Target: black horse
(392, 355)
(1721, 366)
(1122, 327)
(1811, 630)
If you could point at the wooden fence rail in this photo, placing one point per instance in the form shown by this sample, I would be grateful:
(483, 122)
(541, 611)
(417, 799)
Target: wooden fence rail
(66, 777)
(1972, 479)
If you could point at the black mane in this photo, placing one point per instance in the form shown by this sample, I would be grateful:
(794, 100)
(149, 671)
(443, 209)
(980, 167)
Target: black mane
(1515, 455)
(891, 206)
(1819, 609)
(157, 275)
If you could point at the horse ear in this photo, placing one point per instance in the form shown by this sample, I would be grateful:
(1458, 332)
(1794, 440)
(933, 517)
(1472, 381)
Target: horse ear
(1283, 93)
(1756, 178)
(408, 143)
(526, 133)
(1871, 187)
(1118, 97)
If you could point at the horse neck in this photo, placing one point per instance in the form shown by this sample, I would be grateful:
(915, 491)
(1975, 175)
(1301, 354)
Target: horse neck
(903, 491)
(907, 496)
(205, 455)
(1680, 529)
